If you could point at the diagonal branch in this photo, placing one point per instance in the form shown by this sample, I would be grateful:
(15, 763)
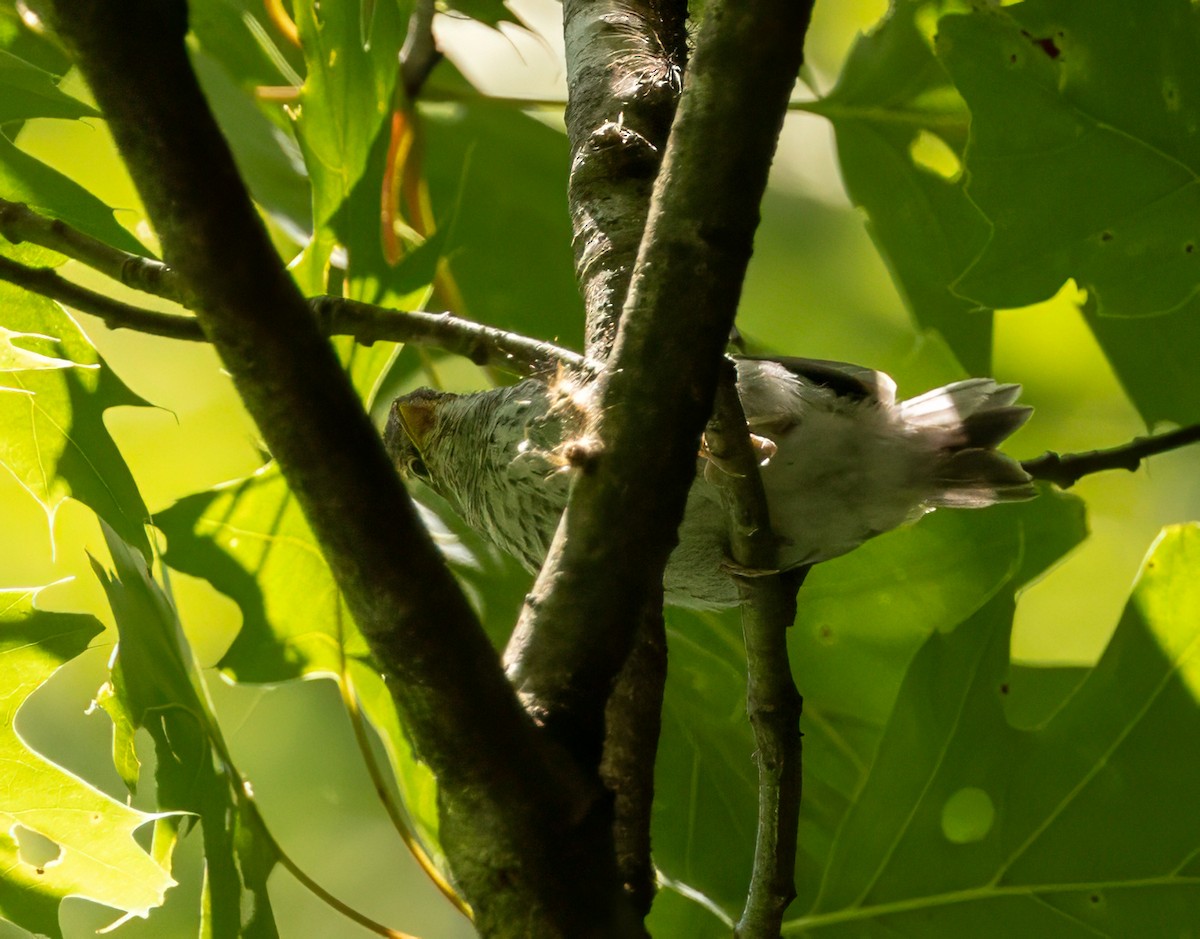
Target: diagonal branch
(336, 316)
(1065, 470)
(607, 558)
(517, 820)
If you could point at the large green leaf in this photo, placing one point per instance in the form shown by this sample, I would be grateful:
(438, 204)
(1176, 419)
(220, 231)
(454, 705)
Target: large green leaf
(240, 36)
(250, 540)
(28, 91)
(510, 243)
(893, 101)
(1155, 360)
(266, 154)
(61, 837)
(24, 179)
(347, 93)
(1083, 151)
(52, 434)
(968, 825)
(862, 619)
(156, 686)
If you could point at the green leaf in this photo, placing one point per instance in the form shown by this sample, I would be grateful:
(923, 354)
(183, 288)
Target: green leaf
(27, 91)
(61, 837)
(347, 94)
(862, 619)
(510, 244)
(238, 35)
(156, 685)
(21, 41)
(249, 540)
(705, 781)
(969, 825)
(24, 179)
(266, 154)
(1083, 152)
(1155, 360)
(489, 12)
(52, 434)
(901, 128)
(18, 358)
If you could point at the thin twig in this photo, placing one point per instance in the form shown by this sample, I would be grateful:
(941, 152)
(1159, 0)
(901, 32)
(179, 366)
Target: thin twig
(420, 53)
(337, 316)
(768, 606)
(395, 812)
(19, 223)
(1065, 470)
(47, 282)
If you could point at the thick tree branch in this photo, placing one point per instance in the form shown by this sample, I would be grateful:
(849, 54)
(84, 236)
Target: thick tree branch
(625, 63)
(336, 316)
(517, 824)
(607, 558)
(633, 720)
(1065, 470)
(768, 607)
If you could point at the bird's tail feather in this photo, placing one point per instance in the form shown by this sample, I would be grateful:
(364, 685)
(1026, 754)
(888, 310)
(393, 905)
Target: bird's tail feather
(967, 420)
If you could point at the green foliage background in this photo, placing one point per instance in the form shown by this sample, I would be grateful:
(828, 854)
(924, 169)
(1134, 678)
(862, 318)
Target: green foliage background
(1000, 737)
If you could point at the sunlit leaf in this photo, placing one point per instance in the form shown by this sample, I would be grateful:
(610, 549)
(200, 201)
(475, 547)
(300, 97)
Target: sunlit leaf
(61, 837)
(52, 434)
(156, 685)
(25, 179)
(969, 825)
(346, 95)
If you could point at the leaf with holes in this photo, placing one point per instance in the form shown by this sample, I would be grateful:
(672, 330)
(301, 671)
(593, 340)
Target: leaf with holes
(62, 838)
(862, 620)
(976, 818)
(156, 687)
(1083, 151)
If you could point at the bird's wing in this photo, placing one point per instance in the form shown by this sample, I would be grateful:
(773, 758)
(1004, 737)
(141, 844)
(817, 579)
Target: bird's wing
(842, 378)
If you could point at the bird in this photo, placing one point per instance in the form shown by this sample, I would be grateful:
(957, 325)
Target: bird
(842, 461)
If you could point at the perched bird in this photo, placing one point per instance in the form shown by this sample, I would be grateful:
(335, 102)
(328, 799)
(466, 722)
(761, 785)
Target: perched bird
(842, 461)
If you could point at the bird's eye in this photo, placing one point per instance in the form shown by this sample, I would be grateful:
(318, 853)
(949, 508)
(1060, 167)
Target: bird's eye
(417, 467)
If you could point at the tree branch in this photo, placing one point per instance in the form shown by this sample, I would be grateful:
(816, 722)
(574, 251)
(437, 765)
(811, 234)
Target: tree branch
(768, 607)
(1065, 470)
(336, 316)
(517, 822)
(625, 63)
(607, 558)
(420, 53)
(19, 223)
(633, 720)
